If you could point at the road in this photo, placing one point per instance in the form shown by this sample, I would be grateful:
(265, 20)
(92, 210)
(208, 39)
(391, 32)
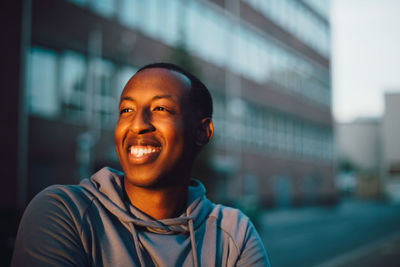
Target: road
(327, 236)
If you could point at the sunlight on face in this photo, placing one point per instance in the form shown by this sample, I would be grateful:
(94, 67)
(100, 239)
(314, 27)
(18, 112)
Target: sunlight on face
(152, 137)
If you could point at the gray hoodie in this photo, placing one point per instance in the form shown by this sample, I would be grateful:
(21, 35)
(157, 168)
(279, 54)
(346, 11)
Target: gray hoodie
(93, 224)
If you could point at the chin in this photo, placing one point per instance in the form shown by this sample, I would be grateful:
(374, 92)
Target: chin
(144, 181)
(175, 172)
(154, 181)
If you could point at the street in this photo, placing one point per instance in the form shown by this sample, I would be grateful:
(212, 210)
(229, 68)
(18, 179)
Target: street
(331, 236)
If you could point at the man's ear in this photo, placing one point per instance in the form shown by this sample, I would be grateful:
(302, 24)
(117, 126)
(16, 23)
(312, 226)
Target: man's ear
(204, 132)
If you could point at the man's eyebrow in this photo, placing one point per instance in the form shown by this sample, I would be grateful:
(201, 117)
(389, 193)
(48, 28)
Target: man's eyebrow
(173, 98)
(126, 98)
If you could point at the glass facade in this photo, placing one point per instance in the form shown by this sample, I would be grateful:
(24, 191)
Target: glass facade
(266, 131)
(58, 86)
(59, 81)
(321, 6)
(236, 45)
(293, 16)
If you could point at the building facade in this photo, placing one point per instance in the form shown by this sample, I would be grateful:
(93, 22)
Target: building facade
(267, 64)
(358, 146)
(390, 165)
(369, 149)
(359, 143)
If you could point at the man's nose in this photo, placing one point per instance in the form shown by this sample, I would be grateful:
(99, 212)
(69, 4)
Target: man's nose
(142, 122)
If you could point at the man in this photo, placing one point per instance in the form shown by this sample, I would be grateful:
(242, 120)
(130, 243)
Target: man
(153, 214)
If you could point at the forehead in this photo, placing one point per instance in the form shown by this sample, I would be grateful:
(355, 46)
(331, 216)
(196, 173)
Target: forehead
(157, 81)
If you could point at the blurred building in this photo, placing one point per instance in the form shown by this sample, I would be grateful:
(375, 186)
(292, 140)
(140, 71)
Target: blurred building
(267, 64)
(358, 151)
(369, 150)
(359, 143)
(391, 146)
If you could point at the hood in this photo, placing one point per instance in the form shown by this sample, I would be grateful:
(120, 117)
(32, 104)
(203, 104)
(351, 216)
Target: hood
(107, 186)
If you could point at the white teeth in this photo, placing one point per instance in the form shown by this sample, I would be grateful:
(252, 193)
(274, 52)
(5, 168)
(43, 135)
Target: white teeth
(139, 151)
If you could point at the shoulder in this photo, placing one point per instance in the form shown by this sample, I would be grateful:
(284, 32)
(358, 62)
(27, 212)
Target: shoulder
(65, 193)
(238, 228)
(69, 199)
(233, 222)
(57, 210)
(50, 229)
(229, 217)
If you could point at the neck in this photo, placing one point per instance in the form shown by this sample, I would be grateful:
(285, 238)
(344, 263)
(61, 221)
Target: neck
(158, 203)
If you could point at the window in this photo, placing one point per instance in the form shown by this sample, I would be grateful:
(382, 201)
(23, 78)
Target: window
(217, 41)
(298, 142)
(105, 8)
(128, 13)
(42, 83)
(193, 26)
(73, 84)
(142, 15)
(122, 77)
(104, 102)
(153, 23)
(168, 20)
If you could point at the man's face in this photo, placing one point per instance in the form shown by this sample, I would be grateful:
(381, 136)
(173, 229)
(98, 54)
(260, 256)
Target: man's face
(153, 136)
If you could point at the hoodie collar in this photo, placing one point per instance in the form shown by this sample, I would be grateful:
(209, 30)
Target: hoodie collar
(107, 186)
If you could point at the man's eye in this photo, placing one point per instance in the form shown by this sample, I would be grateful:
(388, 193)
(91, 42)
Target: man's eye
(159, 109)
(125, 110)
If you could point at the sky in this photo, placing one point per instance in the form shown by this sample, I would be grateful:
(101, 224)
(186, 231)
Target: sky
(365, 56)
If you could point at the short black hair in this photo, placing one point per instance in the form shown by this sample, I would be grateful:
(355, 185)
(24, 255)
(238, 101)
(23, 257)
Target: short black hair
(199, 94)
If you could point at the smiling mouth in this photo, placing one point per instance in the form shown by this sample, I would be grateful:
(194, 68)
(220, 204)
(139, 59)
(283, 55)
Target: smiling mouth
(143, 154)
(143, 151)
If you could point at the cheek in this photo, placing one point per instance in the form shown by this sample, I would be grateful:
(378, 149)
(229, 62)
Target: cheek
(119, 133)
(184, 137)
(173, 133)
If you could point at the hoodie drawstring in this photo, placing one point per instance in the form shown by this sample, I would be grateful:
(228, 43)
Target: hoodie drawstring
(192, 238)
(137, 245)
(193, 242)
(107, 187)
